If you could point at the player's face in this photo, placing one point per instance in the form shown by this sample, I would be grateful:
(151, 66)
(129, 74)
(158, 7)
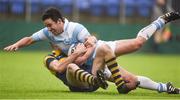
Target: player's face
(55, 27)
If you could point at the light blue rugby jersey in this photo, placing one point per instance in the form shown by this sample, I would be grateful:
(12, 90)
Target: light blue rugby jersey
(73, 33)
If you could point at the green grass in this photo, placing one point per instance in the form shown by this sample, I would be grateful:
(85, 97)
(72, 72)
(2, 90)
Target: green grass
(23, 76)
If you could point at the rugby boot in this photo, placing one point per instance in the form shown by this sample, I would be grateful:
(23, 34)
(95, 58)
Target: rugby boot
(170, 16)
(100, 80)
(171, 89)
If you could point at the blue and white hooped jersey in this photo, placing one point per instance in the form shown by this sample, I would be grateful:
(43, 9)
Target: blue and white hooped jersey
(73, 33)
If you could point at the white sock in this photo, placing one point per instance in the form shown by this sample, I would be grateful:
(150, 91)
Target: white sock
(162, 87)
(147, 83)
(149, 30)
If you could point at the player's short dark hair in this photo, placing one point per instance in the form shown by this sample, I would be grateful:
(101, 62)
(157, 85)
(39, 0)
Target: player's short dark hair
(52, 13)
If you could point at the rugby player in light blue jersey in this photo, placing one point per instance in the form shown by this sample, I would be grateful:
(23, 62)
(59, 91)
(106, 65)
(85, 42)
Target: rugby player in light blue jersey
(59, 32)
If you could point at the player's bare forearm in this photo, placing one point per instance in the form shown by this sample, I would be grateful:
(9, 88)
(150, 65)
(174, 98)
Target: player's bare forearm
(25, 42)
(21, 43)
(61, 67)
(82, 59)
(89, 43)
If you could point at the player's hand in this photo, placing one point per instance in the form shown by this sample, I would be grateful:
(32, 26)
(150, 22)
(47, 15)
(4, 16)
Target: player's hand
(90, 41)
(80, 49)
(13, 47)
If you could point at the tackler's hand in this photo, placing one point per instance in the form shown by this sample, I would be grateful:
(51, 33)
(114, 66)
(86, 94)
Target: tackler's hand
(80, 49)
(90, 41)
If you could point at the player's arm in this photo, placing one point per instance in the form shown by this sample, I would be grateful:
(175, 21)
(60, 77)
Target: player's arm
(37, 36)
(60, 67)
(82, 59)
(90, 42)
(21, 43)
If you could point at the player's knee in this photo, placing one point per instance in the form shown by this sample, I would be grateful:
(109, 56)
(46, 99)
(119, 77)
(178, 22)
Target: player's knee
(105, 49)
(72, 67)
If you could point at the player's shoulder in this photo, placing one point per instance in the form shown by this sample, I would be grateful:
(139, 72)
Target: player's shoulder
(45, 31)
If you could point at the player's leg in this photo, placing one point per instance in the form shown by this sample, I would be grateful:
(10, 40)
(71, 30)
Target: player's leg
(148, 31)
(130, 79)
(128, 45)
(80, 78)
(104, 55)
(147, 83)
(76, 84)
(131, 45)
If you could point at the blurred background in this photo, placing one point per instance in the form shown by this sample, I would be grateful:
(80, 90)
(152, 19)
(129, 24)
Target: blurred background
(107, 19)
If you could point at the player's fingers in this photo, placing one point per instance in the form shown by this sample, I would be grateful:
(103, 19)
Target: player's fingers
(11, 48)
(7, 48)
(16, 48)
(86, 42)
(78, 46)
(81, 45)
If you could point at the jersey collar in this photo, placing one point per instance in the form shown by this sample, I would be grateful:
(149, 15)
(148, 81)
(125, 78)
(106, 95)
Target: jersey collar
(65, 24)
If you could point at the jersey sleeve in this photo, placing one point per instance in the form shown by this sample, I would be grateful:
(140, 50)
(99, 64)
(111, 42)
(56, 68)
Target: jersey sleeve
(82, 32)
(39, 35)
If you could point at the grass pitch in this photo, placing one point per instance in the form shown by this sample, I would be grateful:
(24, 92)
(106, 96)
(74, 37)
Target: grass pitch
(23, 76)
